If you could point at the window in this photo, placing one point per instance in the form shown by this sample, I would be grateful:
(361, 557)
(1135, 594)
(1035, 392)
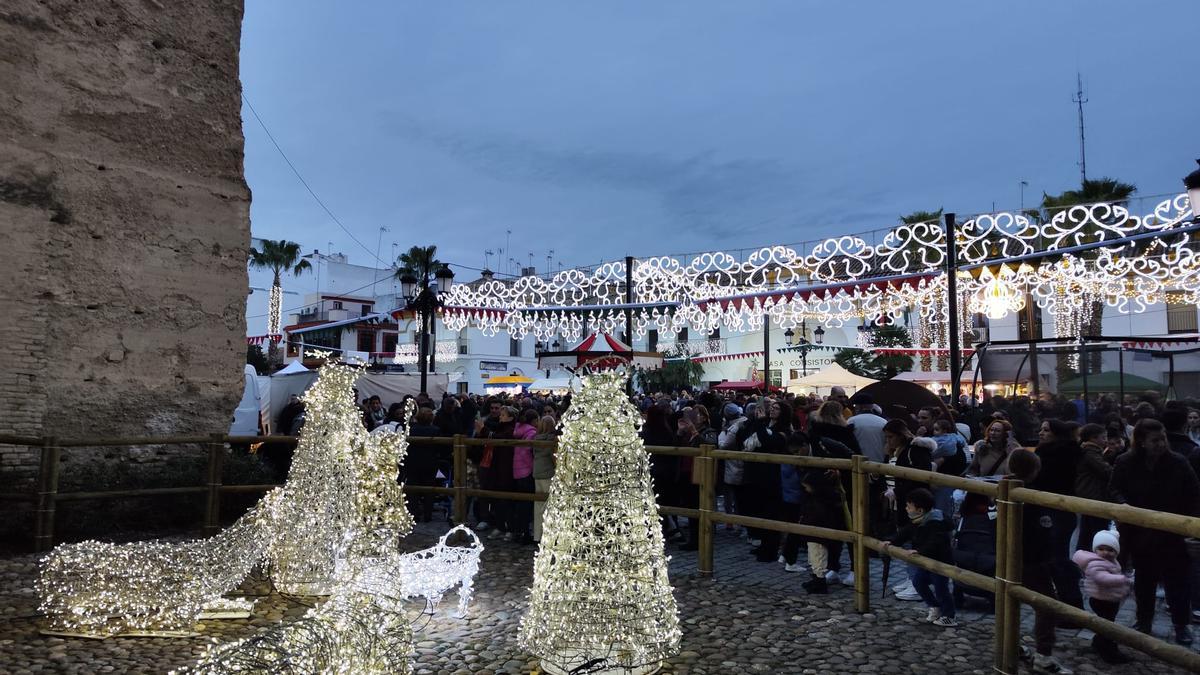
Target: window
(514, 347)
(337, 304)
(651, 340)
(715, 334)
(462, 348)
(1029, 321)
(366, 309)
(366, 340)
(1181, 317)
(462, 387)
(683, 335)
(389, 342)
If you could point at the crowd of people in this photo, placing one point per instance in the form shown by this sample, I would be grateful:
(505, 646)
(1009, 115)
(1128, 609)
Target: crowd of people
(1142, 451)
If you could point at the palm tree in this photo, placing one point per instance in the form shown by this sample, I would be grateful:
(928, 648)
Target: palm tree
(278, 256)
(421, 262)
(1107, 190)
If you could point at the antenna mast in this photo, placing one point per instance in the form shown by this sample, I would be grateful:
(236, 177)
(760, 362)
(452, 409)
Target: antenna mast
(1079, 100)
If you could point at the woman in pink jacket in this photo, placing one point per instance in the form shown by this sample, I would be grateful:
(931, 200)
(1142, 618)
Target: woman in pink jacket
(1106, 587)
(521, 513)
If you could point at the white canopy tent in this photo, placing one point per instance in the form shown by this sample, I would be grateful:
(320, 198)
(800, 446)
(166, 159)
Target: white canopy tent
(832, 375)
(557, 385)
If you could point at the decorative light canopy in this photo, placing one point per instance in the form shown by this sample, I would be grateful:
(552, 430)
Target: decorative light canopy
(848, 278)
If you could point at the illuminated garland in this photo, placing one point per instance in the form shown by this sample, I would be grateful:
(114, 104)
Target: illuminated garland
(601, 600)
(716, 290)
(275, 310)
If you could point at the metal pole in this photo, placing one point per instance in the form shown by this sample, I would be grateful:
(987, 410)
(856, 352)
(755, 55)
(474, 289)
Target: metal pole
(1034, 375)
(1083, 369)
(629, 320)
(766, 355)
(1121, 378)
(952, 298)
(423, 308)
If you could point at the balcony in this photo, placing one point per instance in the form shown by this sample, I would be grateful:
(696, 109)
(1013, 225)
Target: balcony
(325, 315)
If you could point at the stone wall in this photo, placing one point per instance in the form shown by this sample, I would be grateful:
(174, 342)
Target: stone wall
(125, 219)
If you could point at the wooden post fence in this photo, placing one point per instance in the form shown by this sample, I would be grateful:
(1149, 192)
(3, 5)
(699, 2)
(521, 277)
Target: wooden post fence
(460, 479)
(216, 462)
(708, 504)
(861, 512)
(1010, 496)
(46, 495)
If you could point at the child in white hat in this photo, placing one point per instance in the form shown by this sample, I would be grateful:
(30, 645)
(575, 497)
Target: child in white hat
(1106, 587)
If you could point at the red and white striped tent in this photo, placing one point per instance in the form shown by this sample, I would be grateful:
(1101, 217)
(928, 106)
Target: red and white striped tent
(600, 351)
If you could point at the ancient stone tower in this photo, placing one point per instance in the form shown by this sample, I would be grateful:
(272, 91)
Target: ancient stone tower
(124, 218)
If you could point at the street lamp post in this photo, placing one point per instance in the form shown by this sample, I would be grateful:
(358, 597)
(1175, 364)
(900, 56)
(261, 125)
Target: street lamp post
(425, 300)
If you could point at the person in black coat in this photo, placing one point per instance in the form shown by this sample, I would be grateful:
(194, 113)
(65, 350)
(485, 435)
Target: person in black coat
(1059, 454)
(656, 430)
(910, 452)
(768, 433)
(421, 463)
(1151, 476)
(1038, 551)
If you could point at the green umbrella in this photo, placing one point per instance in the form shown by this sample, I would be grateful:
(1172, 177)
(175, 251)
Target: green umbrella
(1109, 381)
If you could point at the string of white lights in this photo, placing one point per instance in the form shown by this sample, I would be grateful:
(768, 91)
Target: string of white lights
(601, 601)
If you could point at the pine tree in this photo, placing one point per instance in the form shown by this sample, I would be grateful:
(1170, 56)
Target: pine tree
(601, 600)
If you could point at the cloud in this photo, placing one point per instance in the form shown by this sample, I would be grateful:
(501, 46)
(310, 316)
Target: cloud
(700, 190)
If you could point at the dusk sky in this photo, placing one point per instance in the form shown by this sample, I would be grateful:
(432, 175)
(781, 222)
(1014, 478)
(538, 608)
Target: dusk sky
(607, 129)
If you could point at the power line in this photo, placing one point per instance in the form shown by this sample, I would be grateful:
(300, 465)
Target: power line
(304, 182)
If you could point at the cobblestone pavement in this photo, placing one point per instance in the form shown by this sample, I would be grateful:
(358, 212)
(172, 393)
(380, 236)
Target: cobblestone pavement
(752, 618)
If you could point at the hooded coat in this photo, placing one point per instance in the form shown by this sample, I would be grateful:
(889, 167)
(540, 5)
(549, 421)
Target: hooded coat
(1102, 579)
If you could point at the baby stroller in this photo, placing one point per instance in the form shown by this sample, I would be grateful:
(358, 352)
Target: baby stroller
(975, 547)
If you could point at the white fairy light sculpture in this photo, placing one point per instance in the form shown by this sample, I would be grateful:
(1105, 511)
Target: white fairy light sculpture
(601, 601)
(341, 495)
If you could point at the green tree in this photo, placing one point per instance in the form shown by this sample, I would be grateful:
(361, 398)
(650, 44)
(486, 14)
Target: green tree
(891, 365)
(255, 357)
(678, 370)
(421, 262)
(857, 361)
(279, 257)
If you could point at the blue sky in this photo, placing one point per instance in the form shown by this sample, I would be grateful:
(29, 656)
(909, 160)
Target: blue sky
(616, 128)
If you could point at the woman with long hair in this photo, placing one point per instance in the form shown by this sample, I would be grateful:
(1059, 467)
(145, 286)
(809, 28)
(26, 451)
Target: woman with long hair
(992, 451)
(543, 469)
(1060, 453)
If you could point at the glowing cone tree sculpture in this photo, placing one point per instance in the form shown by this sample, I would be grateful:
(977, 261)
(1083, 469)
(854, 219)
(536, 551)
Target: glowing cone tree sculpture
(601, 600)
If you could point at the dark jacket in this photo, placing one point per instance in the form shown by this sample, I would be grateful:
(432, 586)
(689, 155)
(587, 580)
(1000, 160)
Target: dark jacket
(499, 476)
(844, 435)
(917, 455)
(1184, 445)
(1093, 473)
(421, 463)
(930, 537)
(761, 475)
(1170, 485)
(1059, 462)
(1037, 540)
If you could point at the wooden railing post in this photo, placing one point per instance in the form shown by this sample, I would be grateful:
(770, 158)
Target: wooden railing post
(861, 512)
(216, 462)
(460, 479)
(1013, 575)
(1000, 596)
(708, 504)
(43, 534)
